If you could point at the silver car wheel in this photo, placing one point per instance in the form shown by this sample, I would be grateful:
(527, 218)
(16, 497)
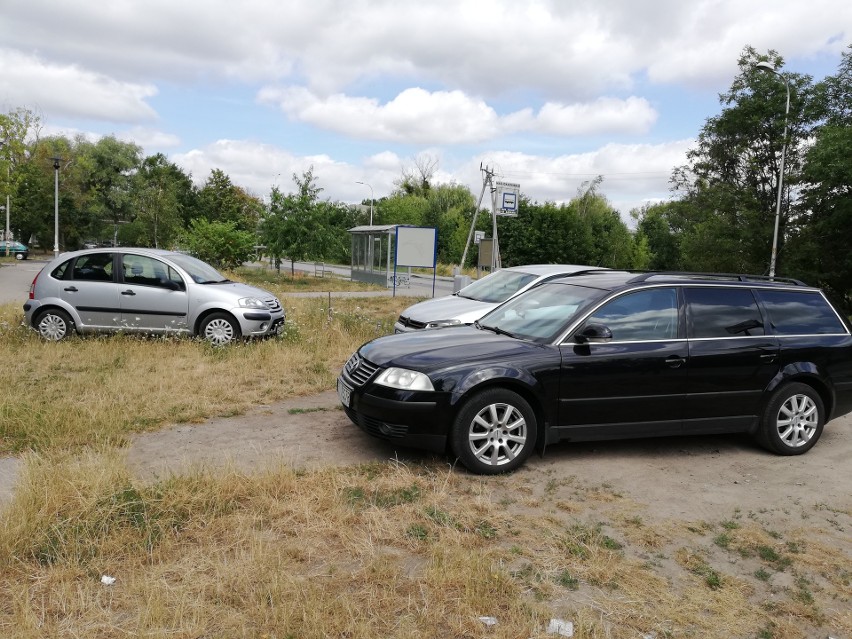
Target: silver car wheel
(53, 326)
(497, 434)
(797, 421)
(220, 331)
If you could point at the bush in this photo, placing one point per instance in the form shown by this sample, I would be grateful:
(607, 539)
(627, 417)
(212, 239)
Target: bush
(221, 244)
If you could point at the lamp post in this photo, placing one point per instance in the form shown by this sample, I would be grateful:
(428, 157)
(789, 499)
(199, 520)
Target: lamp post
(56, 162)
(765, 66)
(371, 200)
(8, 208)
(6, 233)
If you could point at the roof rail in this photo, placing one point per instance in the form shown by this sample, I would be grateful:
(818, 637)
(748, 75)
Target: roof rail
(591, 271)
(739, 277)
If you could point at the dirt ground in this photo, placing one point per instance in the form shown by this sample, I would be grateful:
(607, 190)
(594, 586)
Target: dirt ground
(687, 478)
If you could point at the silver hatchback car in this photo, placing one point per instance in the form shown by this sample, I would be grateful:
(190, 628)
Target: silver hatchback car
(475, 300)
(147, 291)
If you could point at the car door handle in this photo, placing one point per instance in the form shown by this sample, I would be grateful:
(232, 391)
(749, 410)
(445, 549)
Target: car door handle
(768, 358)
(128, 292)
(71, 289)
(675, 361)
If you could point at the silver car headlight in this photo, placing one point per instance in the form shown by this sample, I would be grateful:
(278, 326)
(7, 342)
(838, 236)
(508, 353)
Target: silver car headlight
(443, 323)
(404, 379)
(251, 302)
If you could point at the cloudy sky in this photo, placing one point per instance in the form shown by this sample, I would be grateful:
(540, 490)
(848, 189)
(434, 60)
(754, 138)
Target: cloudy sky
(549, 93)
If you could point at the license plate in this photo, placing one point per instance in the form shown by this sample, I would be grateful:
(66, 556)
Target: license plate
(344, 393)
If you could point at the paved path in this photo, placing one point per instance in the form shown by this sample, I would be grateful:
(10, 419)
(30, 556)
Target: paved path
(16, 277)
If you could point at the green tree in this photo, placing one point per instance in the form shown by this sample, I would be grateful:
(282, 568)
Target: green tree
(729, 185)
(104, 171)
(654, 229)
(35, 205)
(221, 244)
(820, 242)
(298, 225)
(586, 230)
(401, 208)
(220, 200)
(161, 191)
(15, 127)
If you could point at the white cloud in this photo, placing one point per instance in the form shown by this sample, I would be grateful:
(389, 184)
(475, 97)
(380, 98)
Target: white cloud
(566, 51)
(68, 90)
(149, 138)
(604, 116)
(417, 116)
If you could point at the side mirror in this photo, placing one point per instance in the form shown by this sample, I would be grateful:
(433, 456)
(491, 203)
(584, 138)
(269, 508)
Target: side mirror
(593, 333)
(171, 285)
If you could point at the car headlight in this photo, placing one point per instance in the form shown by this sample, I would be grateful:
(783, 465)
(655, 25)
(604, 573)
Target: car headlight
(404, 380)
(251, 302)
(443, 323)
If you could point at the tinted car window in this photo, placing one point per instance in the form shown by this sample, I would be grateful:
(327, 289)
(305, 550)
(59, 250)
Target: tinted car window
(723, 312)
(799, 313)
(96, 267)
(644, 315)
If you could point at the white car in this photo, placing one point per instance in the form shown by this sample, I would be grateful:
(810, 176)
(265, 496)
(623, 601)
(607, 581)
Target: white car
(475, 300)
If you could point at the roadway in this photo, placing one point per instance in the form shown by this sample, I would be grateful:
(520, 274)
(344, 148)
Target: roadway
(16, 277)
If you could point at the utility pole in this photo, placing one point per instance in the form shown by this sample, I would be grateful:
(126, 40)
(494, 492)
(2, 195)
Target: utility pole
(487, 175)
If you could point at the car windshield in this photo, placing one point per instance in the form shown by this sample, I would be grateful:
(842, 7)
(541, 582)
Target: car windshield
(200, 272)
(497, 287)
(541, 313)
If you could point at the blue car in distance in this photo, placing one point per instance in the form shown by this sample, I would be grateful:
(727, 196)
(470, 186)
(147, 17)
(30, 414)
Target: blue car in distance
(12, 248)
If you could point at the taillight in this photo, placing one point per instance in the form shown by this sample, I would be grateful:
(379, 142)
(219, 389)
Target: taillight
(32, 286)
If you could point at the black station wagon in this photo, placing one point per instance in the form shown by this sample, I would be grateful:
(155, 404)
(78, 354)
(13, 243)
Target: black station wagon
(611, 354)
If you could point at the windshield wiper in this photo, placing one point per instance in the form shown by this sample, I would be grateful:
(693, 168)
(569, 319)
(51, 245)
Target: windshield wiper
(495, 329)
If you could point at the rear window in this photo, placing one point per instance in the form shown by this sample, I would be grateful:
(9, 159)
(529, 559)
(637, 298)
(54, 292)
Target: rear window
(800, 313)
(497, 287)
(723, 312)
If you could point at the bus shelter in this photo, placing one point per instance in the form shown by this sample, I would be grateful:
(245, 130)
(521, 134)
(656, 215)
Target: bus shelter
(372, 253)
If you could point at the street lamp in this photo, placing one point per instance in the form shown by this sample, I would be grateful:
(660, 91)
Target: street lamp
(371, 200)
(765, 66)
(6, 233)
(56, 162)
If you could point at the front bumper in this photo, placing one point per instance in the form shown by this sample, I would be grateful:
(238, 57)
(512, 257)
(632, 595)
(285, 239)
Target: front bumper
(412, 419)
(259, 323)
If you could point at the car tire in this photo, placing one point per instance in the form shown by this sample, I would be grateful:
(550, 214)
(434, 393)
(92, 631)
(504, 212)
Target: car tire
(792, 420)
(54, 324)
(494, 432)
(220, 329)
(20, 256)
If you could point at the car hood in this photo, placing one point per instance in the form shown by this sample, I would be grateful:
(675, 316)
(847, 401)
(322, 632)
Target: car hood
(463, 309)
(428, 351)
(239, 289)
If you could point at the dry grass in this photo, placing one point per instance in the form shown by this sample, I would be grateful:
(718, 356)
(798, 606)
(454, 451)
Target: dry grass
(98, 389)
(380, 550)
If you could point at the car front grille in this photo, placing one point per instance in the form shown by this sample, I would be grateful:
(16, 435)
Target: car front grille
(359, 370)
(410, 323)
(273, 304)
